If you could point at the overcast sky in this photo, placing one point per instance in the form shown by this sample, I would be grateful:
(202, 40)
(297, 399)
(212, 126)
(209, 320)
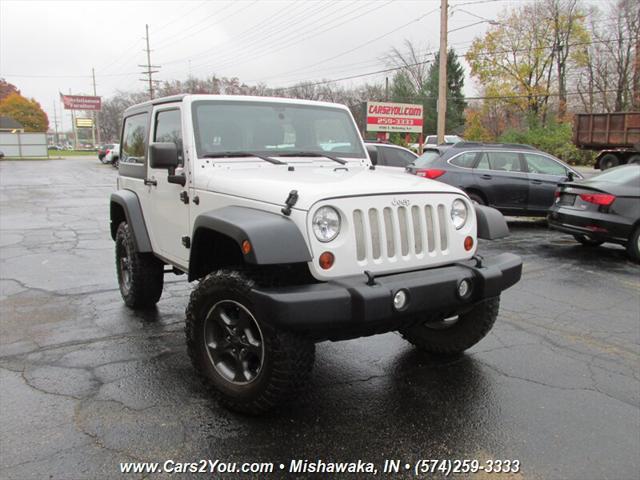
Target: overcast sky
(48, 47)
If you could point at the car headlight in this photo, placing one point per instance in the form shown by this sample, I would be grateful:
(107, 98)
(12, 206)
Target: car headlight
(326, 224)
(459, 213)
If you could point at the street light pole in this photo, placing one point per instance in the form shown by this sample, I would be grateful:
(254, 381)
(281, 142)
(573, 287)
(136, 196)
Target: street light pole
(442, 76)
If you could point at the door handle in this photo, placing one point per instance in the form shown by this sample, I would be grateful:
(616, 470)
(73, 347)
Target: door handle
(486, 176)
(150, 181)
(536, 182)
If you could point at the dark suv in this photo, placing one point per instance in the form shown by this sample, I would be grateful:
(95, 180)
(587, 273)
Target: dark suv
(515, 179)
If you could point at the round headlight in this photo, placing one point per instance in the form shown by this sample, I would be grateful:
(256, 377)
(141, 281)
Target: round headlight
(326, 224)
(459, 213)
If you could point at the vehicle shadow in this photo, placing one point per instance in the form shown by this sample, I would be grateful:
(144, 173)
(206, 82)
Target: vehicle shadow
(420, 403)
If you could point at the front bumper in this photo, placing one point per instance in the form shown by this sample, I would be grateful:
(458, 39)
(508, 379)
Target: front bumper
(350, 307)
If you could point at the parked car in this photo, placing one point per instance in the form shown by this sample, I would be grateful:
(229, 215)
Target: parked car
(112, 155)
(389, 155)
(515, 179)
(102, 151)
(448, 140)
(55, 147)
(603, 208)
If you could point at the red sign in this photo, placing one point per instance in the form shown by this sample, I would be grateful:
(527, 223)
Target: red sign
(394, 117)
(80, 102)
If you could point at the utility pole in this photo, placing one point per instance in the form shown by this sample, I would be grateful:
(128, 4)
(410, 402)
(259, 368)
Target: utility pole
(636, 76)
(75, 129)
(442, 76)
(148, 72)
(96, 116)
(55, 122)
(386, 89)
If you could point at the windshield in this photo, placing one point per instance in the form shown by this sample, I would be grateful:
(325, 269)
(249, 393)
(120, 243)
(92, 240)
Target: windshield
(274, 128)
(426, 159)
(627, 175)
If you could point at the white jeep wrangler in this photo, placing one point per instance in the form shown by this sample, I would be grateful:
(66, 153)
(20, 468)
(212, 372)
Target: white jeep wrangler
(273, 206)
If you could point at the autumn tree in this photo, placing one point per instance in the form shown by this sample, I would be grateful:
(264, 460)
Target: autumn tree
(7, 89)
(25, 111)
(527, 51)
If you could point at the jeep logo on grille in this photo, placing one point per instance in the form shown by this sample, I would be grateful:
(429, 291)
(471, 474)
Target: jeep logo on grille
(400, 202)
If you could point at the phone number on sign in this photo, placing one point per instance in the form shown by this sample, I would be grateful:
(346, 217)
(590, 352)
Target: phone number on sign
(448, 467)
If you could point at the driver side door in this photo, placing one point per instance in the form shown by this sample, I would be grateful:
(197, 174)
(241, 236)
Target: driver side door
(167, 214)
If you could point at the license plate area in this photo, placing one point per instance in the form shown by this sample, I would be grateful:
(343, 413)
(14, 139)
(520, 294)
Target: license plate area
(567, 199)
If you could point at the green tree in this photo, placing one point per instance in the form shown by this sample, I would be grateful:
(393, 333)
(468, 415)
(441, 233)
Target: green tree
(410, 85)
(455, 96)
(26, 111)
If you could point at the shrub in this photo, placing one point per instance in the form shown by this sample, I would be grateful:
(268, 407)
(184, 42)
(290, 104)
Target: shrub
(554, 138)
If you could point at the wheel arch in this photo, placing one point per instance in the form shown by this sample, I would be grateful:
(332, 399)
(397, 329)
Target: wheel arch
(478, 192)
(125, 206)
(218, 236)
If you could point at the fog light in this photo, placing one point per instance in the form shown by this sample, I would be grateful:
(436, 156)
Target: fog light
(400, 300)
(464, 289)
(326, 260)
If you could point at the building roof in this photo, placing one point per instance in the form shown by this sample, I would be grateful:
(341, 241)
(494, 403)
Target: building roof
(7, 122)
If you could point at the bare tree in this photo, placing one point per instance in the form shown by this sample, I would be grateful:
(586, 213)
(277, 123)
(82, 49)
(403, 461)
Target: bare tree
(607, 81)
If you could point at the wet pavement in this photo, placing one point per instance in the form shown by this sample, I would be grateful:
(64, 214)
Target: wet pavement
(86, 383)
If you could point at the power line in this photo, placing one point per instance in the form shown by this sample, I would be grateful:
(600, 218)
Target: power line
(266, 26)
(284, 41)
(368, 42)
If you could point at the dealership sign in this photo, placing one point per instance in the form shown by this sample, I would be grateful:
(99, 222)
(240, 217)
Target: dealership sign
(81, 102)
(394, 117)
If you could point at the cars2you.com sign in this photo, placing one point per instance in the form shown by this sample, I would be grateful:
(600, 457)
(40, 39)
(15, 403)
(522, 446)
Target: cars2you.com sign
(394, 117)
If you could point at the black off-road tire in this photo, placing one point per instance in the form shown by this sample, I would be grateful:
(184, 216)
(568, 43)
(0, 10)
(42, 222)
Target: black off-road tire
(588, 241)
(609, 161)
(633, 247)
(287, 357)
(470, 327)
(146, 272)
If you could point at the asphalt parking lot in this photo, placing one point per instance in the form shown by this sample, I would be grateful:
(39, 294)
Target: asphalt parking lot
(86, 383)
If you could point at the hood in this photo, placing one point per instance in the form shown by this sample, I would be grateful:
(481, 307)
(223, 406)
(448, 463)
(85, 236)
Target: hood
(313, 179)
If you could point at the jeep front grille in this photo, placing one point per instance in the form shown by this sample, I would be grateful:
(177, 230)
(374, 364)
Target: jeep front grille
(400, 232)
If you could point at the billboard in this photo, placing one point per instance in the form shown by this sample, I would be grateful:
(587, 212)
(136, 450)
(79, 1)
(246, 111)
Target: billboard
(81, 102)
(84, 123)
(394, 117)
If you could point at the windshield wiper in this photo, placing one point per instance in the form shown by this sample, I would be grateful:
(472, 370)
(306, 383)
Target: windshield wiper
(311, 154)
(243, 154)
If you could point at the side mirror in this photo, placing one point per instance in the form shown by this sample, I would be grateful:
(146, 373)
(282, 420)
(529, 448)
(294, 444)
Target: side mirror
(163, 155)
(571, 176)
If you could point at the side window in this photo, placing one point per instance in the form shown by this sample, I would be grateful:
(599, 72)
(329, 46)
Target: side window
(466, 160)
(483, 163)
(394, 157)
(540, 164)
(169, 129)
(505, 161)
(134, 136)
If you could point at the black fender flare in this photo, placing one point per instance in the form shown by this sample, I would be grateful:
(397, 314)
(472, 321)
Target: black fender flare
(491, 223)
(274, 238)
(128, 201)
